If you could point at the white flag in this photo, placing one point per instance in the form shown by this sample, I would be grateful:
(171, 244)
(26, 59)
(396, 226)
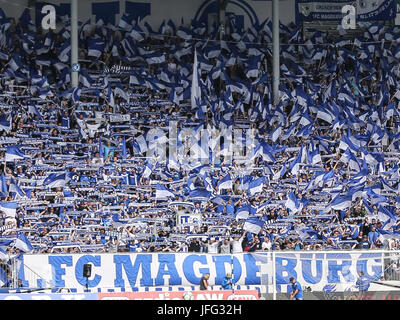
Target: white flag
(195, 90)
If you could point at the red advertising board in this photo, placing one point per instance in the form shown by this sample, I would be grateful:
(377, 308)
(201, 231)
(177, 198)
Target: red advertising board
(182, 295)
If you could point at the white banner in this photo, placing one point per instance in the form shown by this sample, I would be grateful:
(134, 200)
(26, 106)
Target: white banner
(120, 117)
(318, 270)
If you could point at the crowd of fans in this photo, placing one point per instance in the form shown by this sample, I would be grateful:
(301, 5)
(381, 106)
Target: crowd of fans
(331, 141)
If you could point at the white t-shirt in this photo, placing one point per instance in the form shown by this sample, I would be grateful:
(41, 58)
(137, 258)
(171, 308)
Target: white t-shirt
(237, 246)
(266, 245)
(212, 247)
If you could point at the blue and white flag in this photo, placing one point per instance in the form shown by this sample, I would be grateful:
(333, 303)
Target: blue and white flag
(137, 33)
(212, 51)
(331, 90)
(349, 158)
(253, 68)
(195, 93)
(95, 47)
(15, 62)
(276, 133)
(341, 202)
(256, 185)
(4, 56)
(280, 173)
(5, 123)
(76, 93)
(3, 276)
(391, 111)
(253, 225)
(170, 26)
(314, 156)
(3, 184)
(184, 33)
(85, 78)
(293, 204)
(119, 92)
(163, 192)
(140, 144)
(83, 31)
(199, 193)
(369, 210)
(294, 165)
(225, 182)
(13, 153)
(191, 182)
(55, 180)
(110, 96)
(16, 189)
(384, 214)
(9, 208)
(207, 182)
(123, 147)
(243, 212)
(325, 115)
(386, 217)
(262, 149)
(65, 52)
(155, 58)
(347, 143)
(147, 170)
(33, 110)
(3, 256)
(125, 23)
(23, 243)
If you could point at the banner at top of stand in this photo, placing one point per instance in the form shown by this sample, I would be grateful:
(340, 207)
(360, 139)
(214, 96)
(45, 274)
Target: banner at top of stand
(323, 10)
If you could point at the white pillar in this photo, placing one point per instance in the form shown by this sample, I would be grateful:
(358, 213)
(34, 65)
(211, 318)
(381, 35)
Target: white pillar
(74, 42)
(275, 51)
(273, 276)
(221, 23)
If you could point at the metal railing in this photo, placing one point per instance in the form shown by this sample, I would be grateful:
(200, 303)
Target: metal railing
(385, 272)
(392, 266)
(10, 275)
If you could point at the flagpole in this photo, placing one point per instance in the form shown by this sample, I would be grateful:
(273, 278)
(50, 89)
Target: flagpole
(275, 51)
(74, 42)
(232, 276)
(273, 276)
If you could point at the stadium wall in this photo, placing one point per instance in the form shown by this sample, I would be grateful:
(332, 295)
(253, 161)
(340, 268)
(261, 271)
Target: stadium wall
(156, 11)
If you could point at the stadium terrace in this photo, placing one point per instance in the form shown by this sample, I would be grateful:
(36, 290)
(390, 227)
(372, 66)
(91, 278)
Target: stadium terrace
(171, 142)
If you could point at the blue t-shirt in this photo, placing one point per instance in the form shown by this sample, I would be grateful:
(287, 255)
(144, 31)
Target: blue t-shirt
(336, 240)
(65, 122)
(373, 237)
(225, 284)
(297, 286)
(108, 150)
(363, 283)
(230, 209)
(365, 244)
(356, 230)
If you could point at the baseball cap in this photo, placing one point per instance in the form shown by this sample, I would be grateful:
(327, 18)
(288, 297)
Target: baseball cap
(291, 279)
